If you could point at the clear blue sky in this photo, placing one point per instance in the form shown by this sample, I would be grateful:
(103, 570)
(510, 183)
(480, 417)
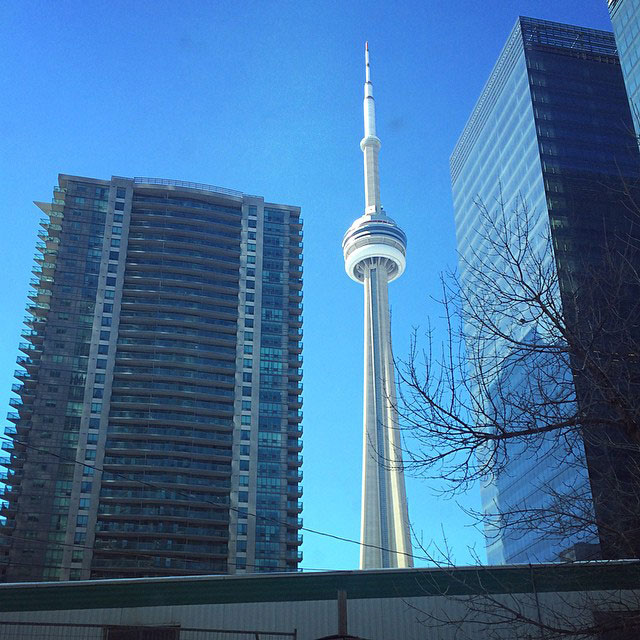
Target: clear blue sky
(266, 97)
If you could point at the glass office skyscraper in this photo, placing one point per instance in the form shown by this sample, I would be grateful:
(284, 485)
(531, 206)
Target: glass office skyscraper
(625, 17)
(551, 131)
(158, 419)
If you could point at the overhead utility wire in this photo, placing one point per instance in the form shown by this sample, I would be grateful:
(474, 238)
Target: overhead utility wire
(231, 508)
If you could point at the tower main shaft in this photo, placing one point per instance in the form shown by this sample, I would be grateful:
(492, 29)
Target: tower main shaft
(374, 252)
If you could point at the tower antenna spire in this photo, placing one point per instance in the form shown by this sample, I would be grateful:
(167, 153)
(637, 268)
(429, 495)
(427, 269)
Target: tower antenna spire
(370, 145)
(366, 60)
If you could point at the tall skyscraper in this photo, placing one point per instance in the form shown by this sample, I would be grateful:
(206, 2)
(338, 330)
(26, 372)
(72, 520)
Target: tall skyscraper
(625, 17)
(551, 132)
(374, 254)
(158, 423)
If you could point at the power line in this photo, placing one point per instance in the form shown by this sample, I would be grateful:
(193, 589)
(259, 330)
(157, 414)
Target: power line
(135, 554)
(228, 506)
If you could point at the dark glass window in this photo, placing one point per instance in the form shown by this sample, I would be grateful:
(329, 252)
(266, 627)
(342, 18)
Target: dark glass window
(119, 206)
(120, 192)
(111, 282)
(114, 255)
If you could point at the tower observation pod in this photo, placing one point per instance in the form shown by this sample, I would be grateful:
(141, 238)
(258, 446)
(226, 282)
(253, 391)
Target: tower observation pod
(374, 254)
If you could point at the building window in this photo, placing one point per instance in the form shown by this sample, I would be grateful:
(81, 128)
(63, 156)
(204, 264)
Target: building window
(247, 377)
(246, 405)
(120, 192)
(247, 363)
(119, 206)
(111, 281)
(245, 420)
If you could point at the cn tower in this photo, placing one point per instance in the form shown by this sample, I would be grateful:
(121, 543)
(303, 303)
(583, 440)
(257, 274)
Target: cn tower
(374, 254)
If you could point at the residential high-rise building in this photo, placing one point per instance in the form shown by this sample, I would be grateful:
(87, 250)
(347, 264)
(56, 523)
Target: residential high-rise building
(625, 17)
(157, 429)
(374, 254)
(550, 138)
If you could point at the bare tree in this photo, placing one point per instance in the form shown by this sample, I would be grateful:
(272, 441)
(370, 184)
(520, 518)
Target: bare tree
(539, 369)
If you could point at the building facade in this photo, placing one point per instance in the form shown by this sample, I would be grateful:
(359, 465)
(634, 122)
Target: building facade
(625, 17)
(374, 250)
(158, 420)
(548, 151)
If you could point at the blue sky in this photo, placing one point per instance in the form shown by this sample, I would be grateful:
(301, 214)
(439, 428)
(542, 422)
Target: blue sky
(266, 97)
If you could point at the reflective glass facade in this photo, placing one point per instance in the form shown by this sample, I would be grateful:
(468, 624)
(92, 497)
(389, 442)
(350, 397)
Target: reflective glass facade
(551, 129)
(625, 17)
(160, 405)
